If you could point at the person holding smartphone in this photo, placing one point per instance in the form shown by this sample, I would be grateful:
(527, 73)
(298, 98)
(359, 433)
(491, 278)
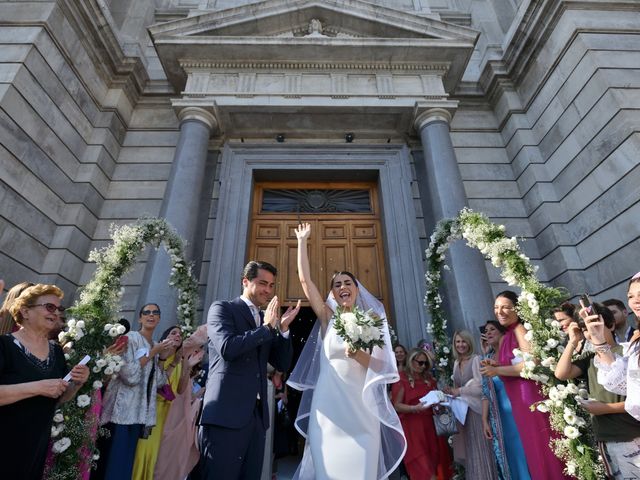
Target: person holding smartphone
(613, 427)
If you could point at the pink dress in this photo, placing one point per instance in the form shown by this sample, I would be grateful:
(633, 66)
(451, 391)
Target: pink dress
(532, 425)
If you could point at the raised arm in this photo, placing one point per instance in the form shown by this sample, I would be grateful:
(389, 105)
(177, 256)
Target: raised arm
(316, 300)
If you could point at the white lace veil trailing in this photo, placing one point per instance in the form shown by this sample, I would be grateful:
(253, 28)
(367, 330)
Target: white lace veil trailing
(382, 371)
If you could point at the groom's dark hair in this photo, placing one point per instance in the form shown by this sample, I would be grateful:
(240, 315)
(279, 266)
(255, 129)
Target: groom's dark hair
(251, 269)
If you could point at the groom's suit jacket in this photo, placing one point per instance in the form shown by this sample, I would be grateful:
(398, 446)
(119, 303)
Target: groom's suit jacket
(238, 356)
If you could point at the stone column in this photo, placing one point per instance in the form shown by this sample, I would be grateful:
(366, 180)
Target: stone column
(180, 206)
(469, 298)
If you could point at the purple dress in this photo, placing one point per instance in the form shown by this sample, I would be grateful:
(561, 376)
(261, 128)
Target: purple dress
(533, 426)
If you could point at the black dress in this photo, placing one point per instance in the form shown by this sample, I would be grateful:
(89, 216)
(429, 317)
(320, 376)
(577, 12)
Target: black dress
(26, 424)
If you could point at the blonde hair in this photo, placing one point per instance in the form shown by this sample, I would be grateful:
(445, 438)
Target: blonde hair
(6, 319)
(426, 373)
(467, 337)
(29, 296)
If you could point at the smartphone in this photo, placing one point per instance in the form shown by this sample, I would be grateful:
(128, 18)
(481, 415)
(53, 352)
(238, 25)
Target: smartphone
(121, 341)
(482, 329)
(586, 303)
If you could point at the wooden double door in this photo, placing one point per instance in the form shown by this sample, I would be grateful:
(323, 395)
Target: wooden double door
(349, 241)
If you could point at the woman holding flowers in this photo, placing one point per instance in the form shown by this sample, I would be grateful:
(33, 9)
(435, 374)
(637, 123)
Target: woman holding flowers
(351, 428)
(31, 383)
(533, 426)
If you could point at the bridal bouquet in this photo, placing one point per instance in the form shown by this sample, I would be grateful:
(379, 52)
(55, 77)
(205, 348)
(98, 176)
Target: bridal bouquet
(361, 330)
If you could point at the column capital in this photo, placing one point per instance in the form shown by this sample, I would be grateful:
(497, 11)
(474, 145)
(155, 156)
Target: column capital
(188, 109)
(197, 113)
(425, 113)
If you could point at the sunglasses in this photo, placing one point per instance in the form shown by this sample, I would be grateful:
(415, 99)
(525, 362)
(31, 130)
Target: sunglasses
(150, 312)
(422, 363)
(50, 307)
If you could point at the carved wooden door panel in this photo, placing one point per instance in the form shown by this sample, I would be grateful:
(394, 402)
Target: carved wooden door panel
(349, 241)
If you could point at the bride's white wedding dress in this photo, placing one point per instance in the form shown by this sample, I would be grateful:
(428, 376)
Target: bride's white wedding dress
(344, 435)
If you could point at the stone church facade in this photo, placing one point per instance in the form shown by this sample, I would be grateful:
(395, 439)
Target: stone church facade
(198, 110)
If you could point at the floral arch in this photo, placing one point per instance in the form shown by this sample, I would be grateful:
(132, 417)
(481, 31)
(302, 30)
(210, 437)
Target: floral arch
(575, 445)
(93, 326)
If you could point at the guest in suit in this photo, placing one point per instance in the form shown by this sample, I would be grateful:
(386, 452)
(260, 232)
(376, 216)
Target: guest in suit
(241, 342)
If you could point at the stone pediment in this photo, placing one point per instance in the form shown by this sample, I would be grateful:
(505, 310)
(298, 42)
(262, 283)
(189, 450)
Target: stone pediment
(330, 34)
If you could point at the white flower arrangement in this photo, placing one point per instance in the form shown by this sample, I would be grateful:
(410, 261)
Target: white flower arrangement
(535, 302)
(359, 329)
(92, 327)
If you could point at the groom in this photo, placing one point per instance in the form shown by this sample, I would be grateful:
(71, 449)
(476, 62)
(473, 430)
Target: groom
(241, 342)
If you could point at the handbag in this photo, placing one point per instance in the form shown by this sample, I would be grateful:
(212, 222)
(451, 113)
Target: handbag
(444, 421)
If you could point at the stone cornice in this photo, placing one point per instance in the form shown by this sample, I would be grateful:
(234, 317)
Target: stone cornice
(441, 67)
(94, 30)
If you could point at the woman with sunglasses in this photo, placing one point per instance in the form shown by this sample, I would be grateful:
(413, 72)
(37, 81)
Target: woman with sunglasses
(31, 382)
(421, 459)
(478, 457)
(129, 408)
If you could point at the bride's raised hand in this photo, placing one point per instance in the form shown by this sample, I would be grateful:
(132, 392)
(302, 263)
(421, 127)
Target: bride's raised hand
(303, 231)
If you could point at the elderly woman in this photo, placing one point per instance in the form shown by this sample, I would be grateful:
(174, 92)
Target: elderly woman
(31, 382)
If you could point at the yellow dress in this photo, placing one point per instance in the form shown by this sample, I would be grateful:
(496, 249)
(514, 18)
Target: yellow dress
(147, 449)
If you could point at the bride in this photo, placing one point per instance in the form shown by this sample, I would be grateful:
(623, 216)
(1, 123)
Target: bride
(351, 428)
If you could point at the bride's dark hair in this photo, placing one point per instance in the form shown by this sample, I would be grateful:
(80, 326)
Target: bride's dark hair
(344, 272)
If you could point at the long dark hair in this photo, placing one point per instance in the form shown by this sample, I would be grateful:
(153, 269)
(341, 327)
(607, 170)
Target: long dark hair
(513, 296)
(166, 333)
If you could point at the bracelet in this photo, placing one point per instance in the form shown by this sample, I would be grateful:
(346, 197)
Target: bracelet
(599, 344)
(604, 348)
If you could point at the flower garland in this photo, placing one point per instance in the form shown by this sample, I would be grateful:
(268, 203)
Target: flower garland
(536, 301)
(93, 327)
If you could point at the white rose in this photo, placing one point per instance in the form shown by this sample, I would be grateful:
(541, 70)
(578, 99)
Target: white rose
(83, 400)
(71, 323)
(528, 336)
(572, 388)
(569, 417)
(62, 336)
(571, 432)
(108, 327)
(555, 324)
(61, 445)
(121, 329)
(113, 332)
(552, 343)
(530, 364)
(58, 417)
(571, 468)
(528, 326)
(80, 324)
(101, 363)
(97, 385)
(348, 317)
(108, 371)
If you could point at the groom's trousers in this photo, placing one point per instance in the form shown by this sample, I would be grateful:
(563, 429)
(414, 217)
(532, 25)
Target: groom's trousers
(233, 453)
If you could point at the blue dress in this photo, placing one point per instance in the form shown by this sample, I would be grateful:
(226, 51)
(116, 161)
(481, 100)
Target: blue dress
(506, 439)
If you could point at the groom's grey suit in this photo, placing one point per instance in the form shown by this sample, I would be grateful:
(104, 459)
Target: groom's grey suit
(235, 416)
